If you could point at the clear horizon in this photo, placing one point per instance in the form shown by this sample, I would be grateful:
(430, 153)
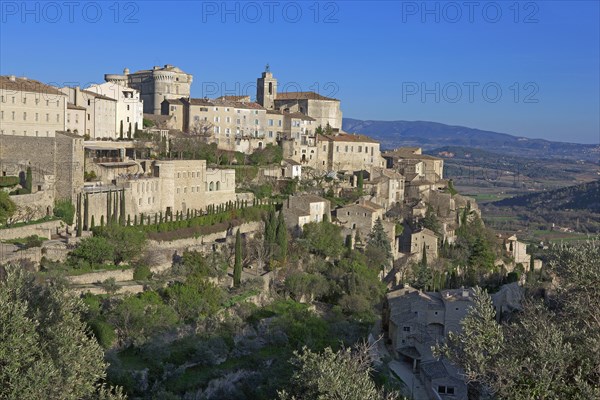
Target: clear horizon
(527, 69)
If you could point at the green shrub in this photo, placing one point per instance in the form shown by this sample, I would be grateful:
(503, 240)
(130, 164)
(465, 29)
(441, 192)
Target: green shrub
(103, 332)
(8, 181)
(33, 241)
(64, 210)
(142, 273)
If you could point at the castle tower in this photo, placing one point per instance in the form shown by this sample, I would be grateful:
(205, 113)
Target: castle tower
(266, 89)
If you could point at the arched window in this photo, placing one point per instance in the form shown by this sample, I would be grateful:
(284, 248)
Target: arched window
(218, 185)
(211, 187)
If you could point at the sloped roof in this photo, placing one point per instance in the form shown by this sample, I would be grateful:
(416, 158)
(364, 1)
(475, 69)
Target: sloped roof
(97, 95)
(302, 96)
(27, 85)
(347, 137)
(72, 106)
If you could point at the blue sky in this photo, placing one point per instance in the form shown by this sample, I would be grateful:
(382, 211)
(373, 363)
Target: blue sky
(526, 68)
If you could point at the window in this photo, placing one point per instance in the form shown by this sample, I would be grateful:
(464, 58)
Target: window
(47, 117)
(445, 389)
(255, 122)
(36, 116)
(24, 100)
(406, 329)
(270, 122)
(89, 102)
(360, 149)
(228, 119)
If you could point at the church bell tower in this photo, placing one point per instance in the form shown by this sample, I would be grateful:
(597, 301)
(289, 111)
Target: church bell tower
(266, 89)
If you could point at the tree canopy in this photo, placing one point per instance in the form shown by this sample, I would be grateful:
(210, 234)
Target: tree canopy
(46, 351)
(551, 349)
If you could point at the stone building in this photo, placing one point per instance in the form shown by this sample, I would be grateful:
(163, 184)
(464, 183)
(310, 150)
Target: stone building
(386, 187)
(232, 125)
(413, 321)
(302, 209)
(324, 110)
(299, 141)
(411, 160)
(59, 155)
(413, 242)
(167, 187)
(518, 251)
(75, 120)
(129, 107)
(155, 85)
(101, 112)
(359, 219)
(342, 151)
(30, 108)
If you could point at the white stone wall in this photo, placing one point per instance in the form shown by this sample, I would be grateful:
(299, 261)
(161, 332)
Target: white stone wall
(31, 114)
(129, 107)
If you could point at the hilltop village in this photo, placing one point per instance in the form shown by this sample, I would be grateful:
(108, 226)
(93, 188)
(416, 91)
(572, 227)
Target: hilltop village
(252, 181)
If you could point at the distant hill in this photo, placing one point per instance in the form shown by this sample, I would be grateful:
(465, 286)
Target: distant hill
(431, 135)
(580, 197)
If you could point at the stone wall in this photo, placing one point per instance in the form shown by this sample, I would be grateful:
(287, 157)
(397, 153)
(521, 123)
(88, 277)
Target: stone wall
(61, 156)
(34, 206)
(44, 229)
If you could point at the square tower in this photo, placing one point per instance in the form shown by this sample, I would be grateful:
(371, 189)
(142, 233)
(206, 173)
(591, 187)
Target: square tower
(266, 89)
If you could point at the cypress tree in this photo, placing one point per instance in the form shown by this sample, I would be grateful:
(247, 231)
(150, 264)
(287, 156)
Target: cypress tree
(79, 219)
(128, 220)
(360, 182)
(155, 219)
(86, 212)
(271, 227)
(116, 208)
(93, 223)
(108, 204)
(142, 219)
(129, 131)
(122, 209)
(282, 237)
(121, 131)
(102, 221)
(135, 220)
(237, 268)
(424, 258)
(28, 180)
